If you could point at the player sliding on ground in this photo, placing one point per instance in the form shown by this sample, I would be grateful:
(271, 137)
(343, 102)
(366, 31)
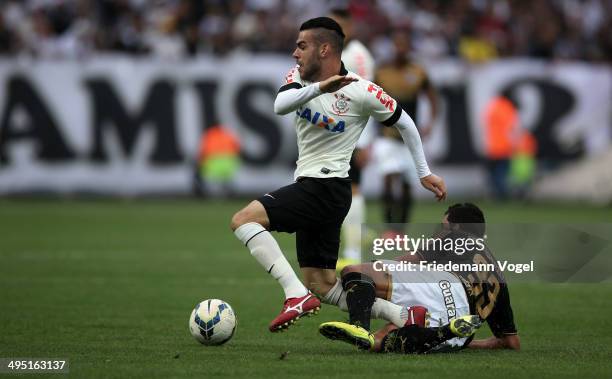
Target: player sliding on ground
(331, 107)
(456, 301)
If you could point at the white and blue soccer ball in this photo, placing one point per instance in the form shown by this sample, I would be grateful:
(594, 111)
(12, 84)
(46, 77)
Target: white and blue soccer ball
(212, 322)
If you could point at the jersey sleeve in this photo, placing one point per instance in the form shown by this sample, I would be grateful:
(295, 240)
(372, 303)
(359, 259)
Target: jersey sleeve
(380, 106)
(501, 319)
(292, 80)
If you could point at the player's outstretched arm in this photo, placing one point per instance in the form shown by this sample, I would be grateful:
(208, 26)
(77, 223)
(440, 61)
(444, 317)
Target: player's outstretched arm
(291, 96)
(412, 139)
(336, 82)
(511, 342)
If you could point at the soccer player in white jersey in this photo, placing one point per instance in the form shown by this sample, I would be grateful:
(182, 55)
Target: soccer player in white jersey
(331, 107)
(357, 59)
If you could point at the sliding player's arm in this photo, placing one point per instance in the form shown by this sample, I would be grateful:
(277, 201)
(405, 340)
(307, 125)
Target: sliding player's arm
(501, 322)
(512, 342)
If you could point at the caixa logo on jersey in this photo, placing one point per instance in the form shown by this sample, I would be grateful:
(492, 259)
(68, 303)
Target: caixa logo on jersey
(320, 120)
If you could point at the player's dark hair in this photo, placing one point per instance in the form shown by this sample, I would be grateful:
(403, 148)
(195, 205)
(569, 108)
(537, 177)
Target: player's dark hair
(469, 216)
(329, 31)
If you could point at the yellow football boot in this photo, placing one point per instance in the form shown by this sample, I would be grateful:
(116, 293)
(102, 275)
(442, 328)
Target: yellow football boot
(352, 334)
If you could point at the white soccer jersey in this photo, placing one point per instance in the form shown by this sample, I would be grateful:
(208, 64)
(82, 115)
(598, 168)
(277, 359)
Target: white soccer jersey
(329, 125)
(358, 59)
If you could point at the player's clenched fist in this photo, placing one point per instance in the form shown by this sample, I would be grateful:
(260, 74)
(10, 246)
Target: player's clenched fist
(334, 83)
(435, 184)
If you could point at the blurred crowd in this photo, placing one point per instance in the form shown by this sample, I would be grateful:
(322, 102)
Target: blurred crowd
(474, 30)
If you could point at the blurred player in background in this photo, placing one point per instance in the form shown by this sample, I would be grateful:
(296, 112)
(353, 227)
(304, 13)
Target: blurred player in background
(510, 149)
(450, 297)
(358, 59)
(331, 108)
(405, 81)
(218, 161)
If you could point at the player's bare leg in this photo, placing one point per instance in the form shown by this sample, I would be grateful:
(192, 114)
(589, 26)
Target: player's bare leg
(319, 280)
(254, 212)
(249, 226)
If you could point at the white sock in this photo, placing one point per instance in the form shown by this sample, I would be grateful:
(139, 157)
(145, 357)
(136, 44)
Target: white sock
(269, 255)
(352, 228)
(386, 310)
(336, 296)
(381, 309)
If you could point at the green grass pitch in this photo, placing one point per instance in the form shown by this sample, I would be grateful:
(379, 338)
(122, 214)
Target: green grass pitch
(110, 285)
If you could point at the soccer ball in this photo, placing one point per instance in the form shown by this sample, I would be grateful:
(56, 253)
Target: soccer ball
(212, 322)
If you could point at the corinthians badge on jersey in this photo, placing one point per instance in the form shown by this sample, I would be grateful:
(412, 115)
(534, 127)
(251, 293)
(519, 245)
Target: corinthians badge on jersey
(341, 105)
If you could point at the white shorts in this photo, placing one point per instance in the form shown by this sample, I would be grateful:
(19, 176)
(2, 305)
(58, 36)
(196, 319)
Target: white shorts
(391, 156)
(440, 292)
